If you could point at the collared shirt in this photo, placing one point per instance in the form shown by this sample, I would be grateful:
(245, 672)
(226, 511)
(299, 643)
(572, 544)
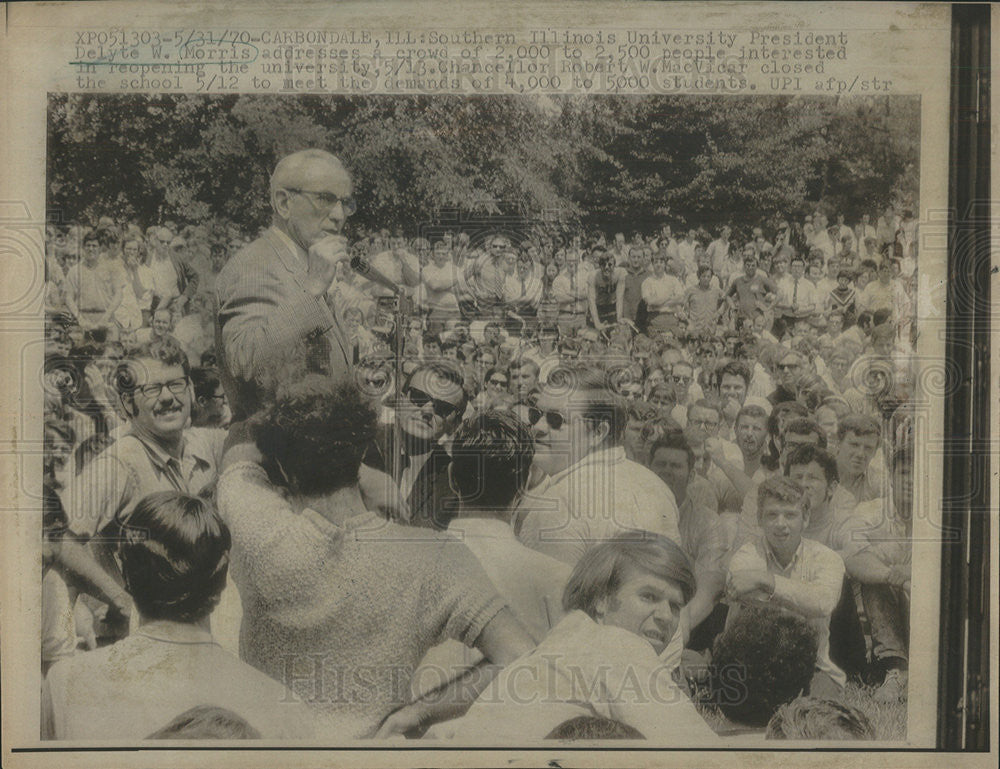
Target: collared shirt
(591, 501)
(799, 295)
(488, 278)
(810, 586)
(131, 468)
(583, 668)
(841, 506)
(411, 469)
(522, 291)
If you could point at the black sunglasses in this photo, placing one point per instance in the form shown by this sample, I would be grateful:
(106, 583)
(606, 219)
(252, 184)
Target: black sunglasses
(553, 419)
(420, 399)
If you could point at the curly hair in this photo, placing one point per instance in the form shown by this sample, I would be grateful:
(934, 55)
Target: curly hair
(166, 351)
(764, 659)
(317, 433)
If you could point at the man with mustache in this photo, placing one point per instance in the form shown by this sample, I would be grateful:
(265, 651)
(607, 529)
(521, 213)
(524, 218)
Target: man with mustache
(155, 453)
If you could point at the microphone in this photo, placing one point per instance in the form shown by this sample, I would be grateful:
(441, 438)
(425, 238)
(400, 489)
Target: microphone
(365, 269)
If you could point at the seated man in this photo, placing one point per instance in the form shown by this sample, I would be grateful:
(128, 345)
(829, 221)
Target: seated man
(878, 554)
(328, 586)
(592, 491)
(623, 600)
(174, 553)
(702, 537)
(785, 570)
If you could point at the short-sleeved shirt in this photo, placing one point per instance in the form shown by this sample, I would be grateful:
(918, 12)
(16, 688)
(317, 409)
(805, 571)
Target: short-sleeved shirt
(530, 582)
(874, 528)
(132, 468)
(702, 538)
(343, 614)
(750, 292)
(703, 306)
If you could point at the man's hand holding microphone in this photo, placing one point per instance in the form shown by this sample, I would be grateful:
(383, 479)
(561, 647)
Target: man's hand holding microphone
(323, 257)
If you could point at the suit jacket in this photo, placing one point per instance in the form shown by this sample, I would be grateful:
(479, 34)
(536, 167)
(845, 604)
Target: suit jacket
(264, 314)
(431, 500)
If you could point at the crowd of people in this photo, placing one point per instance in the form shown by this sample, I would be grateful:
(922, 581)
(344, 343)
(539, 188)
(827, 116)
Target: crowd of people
(489, 486)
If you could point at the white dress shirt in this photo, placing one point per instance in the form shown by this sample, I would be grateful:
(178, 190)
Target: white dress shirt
(809, 586)
(591, 501)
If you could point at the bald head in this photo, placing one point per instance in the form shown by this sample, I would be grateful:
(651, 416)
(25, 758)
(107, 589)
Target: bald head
(292, 169)
(311, 195)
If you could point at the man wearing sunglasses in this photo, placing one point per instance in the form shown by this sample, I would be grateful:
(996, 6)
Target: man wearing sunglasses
(592, 491)
(432, 406)
(272, 295)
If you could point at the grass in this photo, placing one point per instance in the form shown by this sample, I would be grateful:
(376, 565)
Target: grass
(888, 720)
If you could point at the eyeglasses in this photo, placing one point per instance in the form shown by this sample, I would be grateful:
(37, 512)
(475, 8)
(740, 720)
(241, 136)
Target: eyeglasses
(420, 399)
(787, 366)
(498, 382)
(153, 390)
(327, 201)
(680, 379)
(705, 424)
(554, 419)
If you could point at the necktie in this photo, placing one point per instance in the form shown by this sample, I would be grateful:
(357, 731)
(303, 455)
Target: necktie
(795, 292)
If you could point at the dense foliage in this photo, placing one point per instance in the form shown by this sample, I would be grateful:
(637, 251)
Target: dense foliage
(608, 161)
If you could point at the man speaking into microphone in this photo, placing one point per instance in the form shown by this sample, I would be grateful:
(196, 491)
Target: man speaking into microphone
(272, 294)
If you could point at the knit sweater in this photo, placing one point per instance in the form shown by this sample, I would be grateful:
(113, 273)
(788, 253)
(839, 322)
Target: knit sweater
(342, 615)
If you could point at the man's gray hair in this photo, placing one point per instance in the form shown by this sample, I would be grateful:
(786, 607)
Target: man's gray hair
(290, 167)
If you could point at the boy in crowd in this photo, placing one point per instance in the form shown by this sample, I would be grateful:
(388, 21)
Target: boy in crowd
(795, 574)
